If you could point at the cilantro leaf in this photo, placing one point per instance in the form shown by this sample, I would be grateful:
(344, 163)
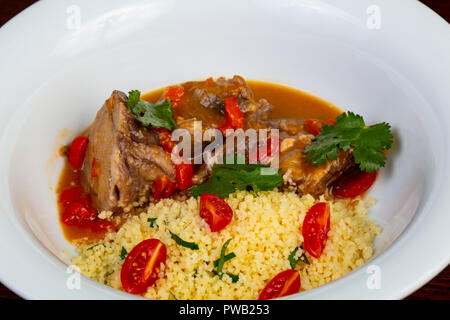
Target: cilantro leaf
(152, 222)
(157, 115)
(218, 264)
(293, 260)
(123, 253)
(350, 131)
(181, 242)
(227, 178)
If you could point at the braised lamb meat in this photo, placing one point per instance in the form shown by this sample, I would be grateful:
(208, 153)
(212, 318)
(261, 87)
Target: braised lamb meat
(126, 157)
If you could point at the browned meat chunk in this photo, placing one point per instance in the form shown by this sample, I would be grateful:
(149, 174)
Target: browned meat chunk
(304, 176)
(127, 156)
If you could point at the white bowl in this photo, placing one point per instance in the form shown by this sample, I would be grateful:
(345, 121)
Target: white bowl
(55, 74)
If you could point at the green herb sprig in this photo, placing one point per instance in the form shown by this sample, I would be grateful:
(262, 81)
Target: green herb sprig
(218, 264)
(181, 242)
(123, 253)
(227, 178)
(157, 115)
(152, 222)
(350, 131)
(293, 260)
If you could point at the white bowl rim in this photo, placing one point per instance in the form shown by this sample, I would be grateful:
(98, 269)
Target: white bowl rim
(50, 266)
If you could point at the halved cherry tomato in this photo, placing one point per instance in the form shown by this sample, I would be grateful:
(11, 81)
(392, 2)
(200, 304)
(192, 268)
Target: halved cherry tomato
(283, 284)
(315, 228)
(77, 151)
(165, 138)
(163, 187)
(235, 120)
(94, 173)
(76, 214)
(215, 211)
(184, 174)
(141, 267)
(331, 122)
(174, 94)
(354, 185)
(70, 195)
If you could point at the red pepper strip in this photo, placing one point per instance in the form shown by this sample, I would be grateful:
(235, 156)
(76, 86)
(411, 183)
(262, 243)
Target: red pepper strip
(184, 171)
(235, 120)
(174, 94)
(77, 151)
(184, 174)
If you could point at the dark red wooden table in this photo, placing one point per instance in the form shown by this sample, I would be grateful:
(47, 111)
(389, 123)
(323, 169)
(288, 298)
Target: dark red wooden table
(438, 288)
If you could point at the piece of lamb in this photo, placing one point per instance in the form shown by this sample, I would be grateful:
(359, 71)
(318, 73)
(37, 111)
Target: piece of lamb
(127, 156)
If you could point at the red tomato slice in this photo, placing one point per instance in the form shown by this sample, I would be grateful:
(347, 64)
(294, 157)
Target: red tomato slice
(235, 120)
(70, 195)
(315, 228)
(141, 267)
(163, 187)
(184, 174)
(76, 214)
(283, 284)
(77, 151)
(216, 212)
(354, 185)
(174, 94)
(331, 122)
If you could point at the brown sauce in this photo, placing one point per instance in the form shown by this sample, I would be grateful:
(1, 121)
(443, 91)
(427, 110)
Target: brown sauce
(286, 102)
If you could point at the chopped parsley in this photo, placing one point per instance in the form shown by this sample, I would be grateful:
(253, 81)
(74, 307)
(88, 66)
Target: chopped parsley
(350, 131)
(218, 264)
(95, 245)
(123, 253)
(293, 259)
(152, 221)
(181, 242)
(227, 178)
(157, 115)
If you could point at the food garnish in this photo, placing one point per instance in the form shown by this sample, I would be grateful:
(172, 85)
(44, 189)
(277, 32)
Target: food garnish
(315, 228)
(216, 212)
(283, 284)
(227, 178)
(218, 264)
(158, 115)
(181, 242)
(293, 260)
(152, 221)
(141, 267)
(123, 253)
(350, 131)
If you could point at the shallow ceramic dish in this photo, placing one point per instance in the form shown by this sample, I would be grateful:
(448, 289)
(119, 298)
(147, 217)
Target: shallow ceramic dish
(389, 62)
